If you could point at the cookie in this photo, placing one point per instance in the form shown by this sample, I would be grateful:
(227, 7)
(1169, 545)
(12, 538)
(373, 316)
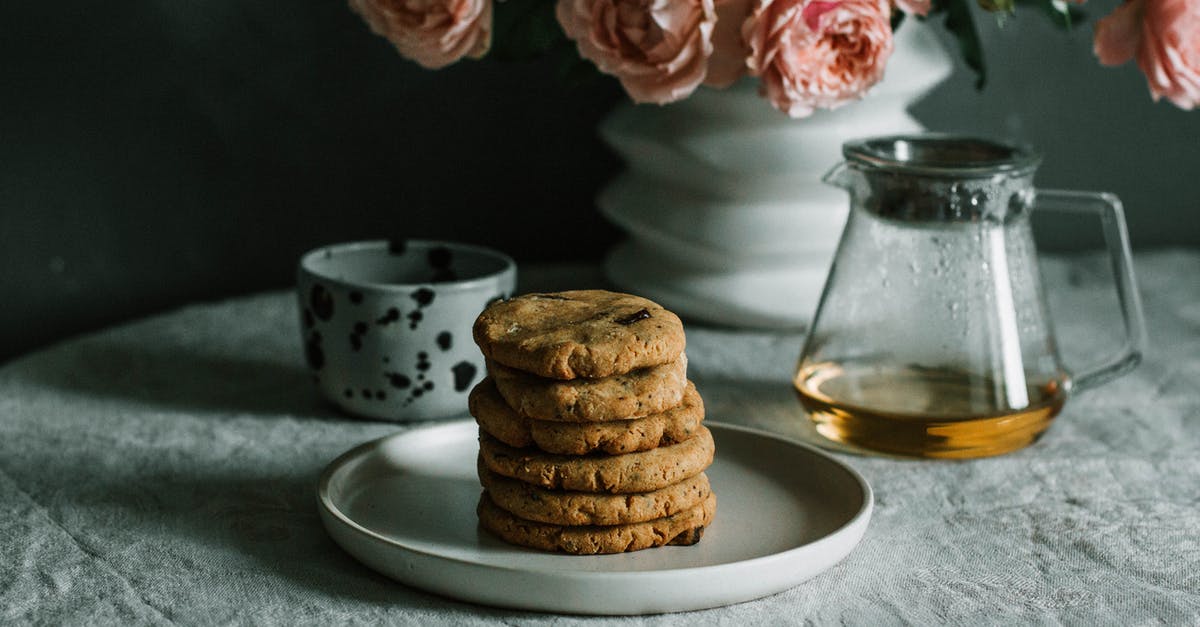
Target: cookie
(579, 334)
(685, 527)
(631, 472)
(579, 438)
(619, 397)
(588, 508)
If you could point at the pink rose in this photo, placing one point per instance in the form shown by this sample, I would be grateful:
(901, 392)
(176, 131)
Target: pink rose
(658, 49)
(813, 54)
(915, 7)
(434, 33)
(728, 61)
(1164, 36)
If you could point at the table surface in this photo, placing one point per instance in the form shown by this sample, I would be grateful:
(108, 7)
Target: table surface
(163, 471)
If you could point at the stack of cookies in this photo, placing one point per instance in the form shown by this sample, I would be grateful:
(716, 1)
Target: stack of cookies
(590, 438)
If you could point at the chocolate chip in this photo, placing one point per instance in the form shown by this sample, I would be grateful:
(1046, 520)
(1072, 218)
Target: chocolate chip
(398, 380)
(355, 341)
(356, 297)
(633, 317)
(360, 327)
(445, 340)
(428, 385)
(397, 246)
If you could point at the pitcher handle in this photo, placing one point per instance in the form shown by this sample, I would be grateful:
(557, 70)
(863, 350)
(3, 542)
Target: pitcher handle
(1116, 236)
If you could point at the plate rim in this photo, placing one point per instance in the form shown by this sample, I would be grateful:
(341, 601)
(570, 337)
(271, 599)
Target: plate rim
(860, 517)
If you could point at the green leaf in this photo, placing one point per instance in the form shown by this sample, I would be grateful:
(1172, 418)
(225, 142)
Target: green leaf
(961, 24)
(524, 30)
(1061, 14)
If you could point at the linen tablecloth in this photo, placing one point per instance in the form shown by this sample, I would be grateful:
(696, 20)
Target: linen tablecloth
(163, 472)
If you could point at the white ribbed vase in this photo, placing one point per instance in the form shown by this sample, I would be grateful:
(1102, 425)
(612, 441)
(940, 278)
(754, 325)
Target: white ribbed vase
(728, 220)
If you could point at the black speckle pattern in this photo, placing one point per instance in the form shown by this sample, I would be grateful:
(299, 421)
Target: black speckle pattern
(391, 316)
(308, 319)
(424, 297)
(313, 352)
(423, 383)
(380, 395)
(464, 374)
(445, 340)
(399, 381)
(348, 393)
(397, 246)
(356, 297)
(321, 302)
(360, 329)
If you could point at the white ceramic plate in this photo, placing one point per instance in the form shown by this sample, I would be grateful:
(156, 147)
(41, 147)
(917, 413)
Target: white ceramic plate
(404, 505)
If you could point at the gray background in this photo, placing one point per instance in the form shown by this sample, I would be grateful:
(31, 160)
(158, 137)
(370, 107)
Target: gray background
(154, 153)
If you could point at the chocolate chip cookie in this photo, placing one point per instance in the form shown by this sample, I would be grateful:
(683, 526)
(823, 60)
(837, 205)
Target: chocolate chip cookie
(579, 438)
(589, 508)
(685, 527)
(632, 472)
(579, 334)
(619, 397)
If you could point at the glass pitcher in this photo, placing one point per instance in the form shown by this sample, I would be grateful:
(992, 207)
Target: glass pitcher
(931, 338)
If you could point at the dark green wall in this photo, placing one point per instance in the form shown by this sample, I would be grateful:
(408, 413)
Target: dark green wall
(154, 153)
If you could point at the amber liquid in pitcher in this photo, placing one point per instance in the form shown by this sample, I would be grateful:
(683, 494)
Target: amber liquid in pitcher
(924, 412)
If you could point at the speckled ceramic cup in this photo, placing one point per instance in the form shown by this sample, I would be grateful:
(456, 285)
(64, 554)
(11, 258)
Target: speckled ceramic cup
(386, 326)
